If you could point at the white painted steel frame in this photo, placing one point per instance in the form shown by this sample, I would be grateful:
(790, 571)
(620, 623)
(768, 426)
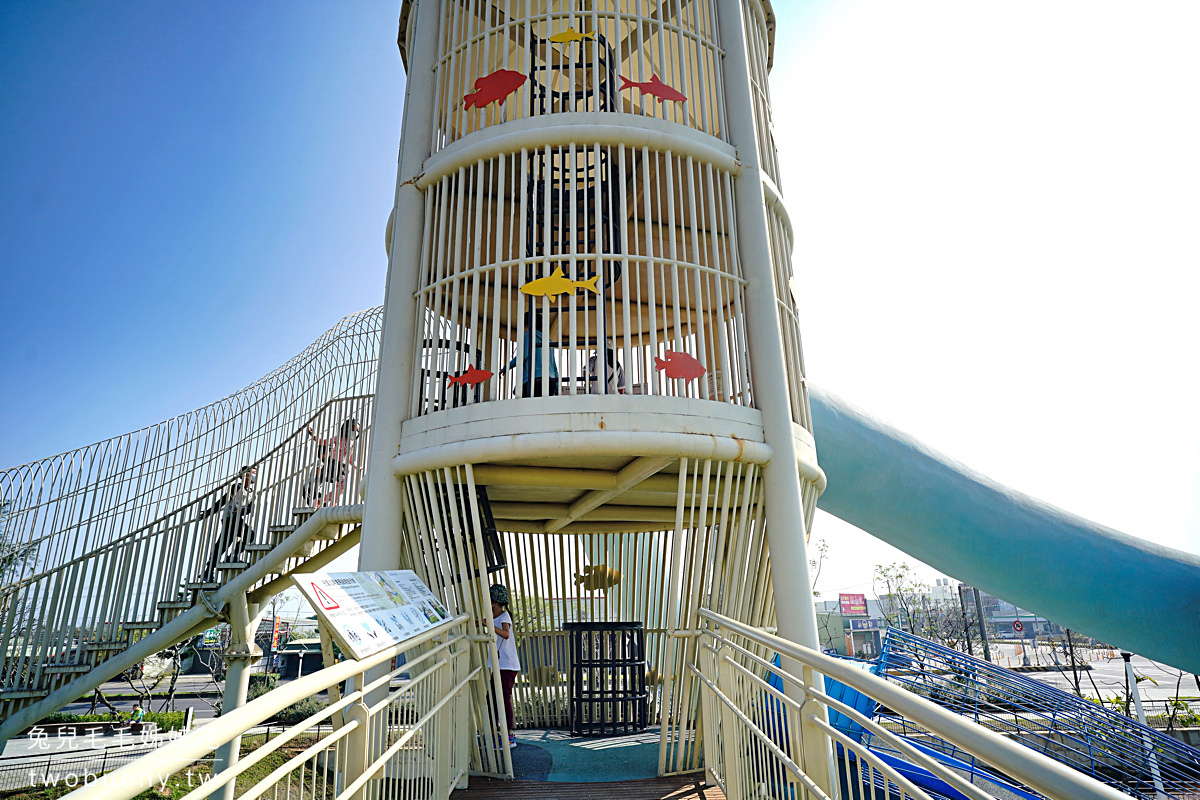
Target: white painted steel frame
(371, 741)
(676, 41)
(749, 657)
(110, 541)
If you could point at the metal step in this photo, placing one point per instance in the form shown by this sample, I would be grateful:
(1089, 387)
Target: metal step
(281, 532)
(23, 694)
(259, 548)
(107, 645)
(165, 604)
(140, 626)
(232, 566)
(193, 586)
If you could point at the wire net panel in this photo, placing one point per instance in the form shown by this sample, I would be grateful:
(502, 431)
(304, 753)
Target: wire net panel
(95, 540)
(646, 244)
(562, 59)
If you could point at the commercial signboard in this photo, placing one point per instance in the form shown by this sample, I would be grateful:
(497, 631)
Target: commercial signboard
(367, 612)
(853, 603)
(212, 638)
(866, 625)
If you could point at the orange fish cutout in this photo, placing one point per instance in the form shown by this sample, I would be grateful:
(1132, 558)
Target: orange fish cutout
(471, 377)
(679, 365)
(655, 87)
(494, 88)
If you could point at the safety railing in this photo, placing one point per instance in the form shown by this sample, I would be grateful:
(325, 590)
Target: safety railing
(101, 545)
(780, 731)
(402, 734)
(514, 60)
(581, 269)
(57, 509)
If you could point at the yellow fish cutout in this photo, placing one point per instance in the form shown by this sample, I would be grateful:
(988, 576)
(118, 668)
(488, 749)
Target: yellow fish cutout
(557, 284)
(571, 35)
(598, 577)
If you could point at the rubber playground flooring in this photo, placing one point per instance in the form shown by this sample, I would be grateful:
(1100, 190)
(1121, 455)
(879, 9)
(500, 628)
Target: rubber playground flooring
(555, 755)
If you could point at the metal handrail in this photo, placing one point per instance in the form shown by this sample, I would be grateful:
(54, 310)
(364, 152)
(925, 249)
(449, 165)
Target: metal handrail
(169, 759)
(1029, 767)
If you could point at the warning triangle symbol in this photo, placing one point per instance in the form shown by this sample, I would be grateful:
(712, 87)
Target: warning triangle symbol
(327, 602)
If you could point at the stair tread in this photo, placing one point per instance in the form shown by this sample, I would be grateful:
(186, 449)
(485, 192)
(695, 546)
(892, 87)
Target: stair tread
(192, 586)
(281, 528)
(174, 604)
(232, 565)
(260, 548)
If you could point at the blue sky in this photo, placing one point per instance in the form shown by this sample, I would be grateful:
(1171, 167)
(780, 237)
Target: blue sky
(192, 193)
(995, 208)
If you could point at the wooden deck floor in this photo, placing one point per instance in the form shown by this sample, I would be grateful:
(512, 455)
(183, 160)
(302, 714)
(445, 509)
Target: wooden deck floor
(674, 787)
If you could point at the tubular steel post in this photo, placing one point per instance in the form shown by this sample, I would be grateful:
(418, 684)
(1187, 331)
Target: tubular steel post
(1155, 775)
(443, 725)
(962, 604)
(983, 631)
(786, 535)
(729, 734)
(380, 547)
(241, 653)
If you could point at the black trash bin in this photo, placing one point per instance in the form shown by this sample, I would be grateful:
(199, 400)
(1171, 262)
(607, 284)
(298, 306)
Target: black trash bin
(607, 677)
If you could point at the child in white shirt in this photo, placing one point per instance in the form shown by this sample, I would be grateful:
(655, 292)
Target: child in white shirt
(509, 663)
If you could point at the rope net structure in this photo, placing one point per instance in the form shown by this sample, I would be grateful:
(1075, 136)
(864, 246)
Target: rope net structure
(1084, 735)
(102, 544)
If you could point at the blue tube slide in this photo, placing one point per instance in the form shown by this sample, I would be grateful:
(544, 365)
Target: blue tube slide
(1122, 590)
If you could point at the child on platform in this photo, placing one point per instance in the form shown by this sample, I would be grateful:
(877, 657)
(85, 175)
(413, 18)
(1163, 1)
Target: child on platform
(510, 664)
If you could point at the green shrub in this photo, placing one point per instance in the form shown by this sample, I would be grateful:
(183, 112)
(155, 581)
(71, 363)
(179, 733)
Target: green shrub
(301, 710)
(165, 720)
(261, 683)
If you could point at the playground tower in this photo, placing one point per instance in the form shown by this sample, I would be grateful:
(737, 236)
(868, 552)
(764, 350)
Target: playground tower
(591, 385)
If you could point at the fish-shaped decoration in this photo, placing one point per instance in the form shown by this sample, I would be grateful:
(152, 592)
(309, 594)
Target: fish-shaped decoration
(679, 365)
(471, 377)
(596, 577)
(494, 88)
(571, 35)
(655, 87)
(555, 283)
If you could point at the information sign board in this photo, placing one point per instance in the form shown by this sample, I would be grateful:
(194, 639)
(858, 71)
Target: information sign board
(367, 612)
(212, 638)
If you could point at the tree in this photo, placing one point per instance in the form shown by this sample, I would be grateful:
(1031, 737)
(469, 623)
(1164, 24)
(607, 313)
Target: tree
(899, 601)
(906, 603)
(815, 564)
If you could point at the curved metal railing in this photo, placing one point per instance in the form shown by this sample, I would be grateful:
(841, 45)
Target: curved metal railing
(107, 541)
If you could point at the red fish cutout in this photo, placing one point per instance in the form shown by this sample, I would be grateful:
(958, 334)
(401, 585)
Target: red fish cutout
(494, 88)
(471, 377)
(655, 87)
(679, 365)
